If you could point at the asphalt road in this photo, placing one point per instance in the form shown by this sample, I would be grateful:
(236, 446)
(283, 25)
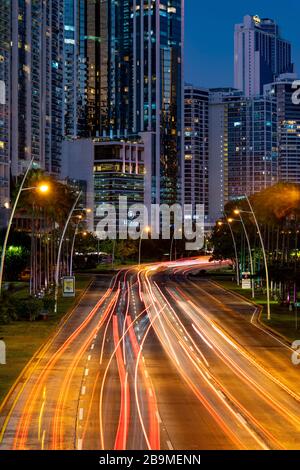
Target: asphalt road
(157, 360)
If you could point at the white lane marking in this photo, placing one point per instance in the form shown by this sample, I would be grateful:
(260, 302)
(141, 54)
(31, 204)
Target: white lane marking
(83, 390)
(43, 440)
(92, 347)
(86, 373)
(150, 392)
(81, 414)
(89, 358)
(170, 445)
(79, 444)
(158, 417)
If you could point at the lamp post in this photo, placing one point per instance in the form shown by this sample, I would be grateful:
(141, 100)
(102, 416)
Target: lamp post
(172, 243)
(72, 249)
(80, 217)
(238, 212)
(264, 255)
(229, 222)
(43, 188)
(145, 230)
(60, 248)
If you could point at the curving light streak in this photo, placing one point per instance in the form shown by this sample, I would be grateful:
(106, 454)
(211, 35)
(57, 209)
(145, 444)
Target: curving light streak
(101, 427)
(153, 438)
(123, 426)
(26, 416)
(58, 421)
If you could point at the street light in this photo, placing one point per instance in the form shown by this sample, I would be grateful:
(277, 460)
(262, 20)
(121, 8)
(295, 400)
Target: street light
(238, 212)
(264, 253)
(172, 243)
(60, 248)
(146, 229)
(265, 257)
(42, 188)
(80, 217)
(229, 222)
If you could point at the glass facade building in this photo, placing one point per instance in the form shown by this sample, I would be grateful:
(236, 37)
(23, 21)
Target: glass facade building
(131, 56)
(37, 84)
(4, 101)
(288, 128)
(252, 145)
(196, 147)
(261, 54)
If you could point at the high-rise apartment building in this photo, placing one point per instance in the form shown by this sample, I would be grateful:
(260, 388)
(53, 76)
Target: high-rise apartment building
(218, 149)
(131, 60)
(288, 128)
(5, 81)
(243, 146)
(37, 34)
(196, 147)
(260, 54)
(252, 145)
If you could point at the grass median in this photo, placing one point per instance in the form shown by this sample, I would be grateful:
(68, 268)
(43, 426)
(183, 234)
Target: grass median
(282, 320)
(24, 338)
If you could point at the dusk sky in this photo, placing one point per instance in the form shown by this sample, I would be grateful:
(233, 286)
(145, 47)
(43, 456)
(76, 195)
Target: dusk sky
(209, 28)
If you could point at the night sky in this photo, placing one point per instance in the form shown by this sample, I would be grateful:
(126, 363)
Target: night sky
(209, 29)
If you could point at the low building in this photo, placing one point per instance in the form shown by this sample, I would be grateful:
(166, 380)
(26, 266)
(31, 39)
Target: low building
(109, 169)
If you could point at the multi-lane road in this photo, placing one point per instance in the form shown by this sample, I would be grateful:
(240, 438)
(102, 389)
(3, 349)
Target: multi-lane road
(156, 359)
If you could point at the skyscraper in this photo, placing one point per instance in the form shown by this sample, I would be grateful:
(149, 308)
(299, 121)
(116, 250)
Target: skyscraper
(288, 128)
(131, 55)
(260, 54)
(4, 103)
(218, 149)
(157, 95)
(252, 145)
(4, 97)
(196, 147)
(36, 84)
(243, 146)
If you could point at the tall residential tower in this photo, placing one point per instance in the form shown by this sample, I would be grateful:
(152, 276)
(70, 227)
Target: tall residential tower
(36, 84)
(260, 54)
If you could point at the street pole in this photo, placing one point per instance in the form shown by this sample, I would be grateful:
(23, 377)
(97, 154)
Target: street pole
(72, 249)
(250, 255)
(235, 250)
(171, 248)
(265, 258)
(60, 247)
(113, 255)
(145, 229)
(10, 223)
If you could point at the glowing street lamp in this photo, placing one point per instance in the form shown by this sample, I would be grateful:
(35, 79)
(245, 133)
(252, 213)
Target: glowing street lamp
(42, 188)
(241, 220)
(146, 229)
(229, 222)
(172, 243)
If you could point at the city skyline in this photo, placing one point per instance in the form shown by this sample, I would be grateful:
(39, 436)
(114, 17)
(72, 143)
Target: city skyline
(203, 56)
(149, 229)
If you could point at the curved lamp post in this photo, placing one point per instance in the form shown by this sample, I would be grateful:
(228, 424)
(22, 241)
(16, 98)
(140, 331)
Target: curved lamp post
(42, 188)
(264, 255)
(172, 243)
(60, 248)
(145, 230)
(229, 222)
(238, 212)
